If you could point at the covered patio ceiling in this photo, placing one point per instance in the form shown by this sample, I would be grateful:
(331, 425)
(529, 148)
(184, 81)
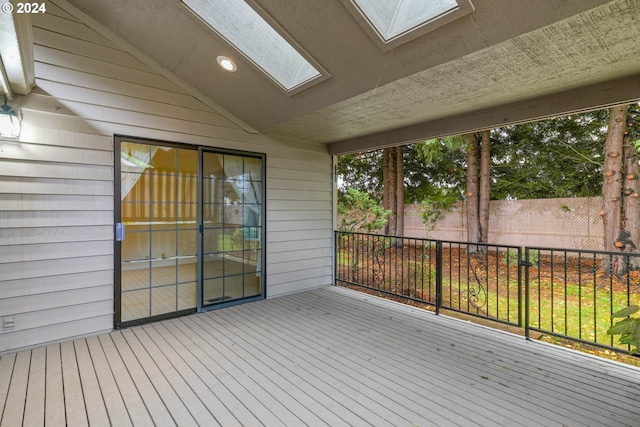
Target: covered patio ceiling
(505, 62)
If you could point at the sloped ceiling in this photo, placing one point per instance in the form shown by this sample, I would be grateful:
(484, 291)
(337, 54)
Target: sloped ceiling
(506, 62)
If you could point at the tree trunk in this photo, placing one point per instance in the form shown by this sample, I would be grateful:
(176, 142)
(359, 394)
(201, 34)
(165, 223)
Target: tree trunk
(385, 185)
(630, 236)
(473, 224)
(485, 185)
(612, 182)
(391, 184)
(400, 190)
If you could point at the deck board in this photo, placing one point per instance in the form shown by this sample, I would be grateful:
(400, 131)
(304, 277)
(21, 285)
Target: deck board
(326, 357)
(135, 359)
(518, 370)
(444, 367)
(130, 396)
(186, 384)
(275, 396)
(253, 362)
(96, 410)
(54, 391)
(359, 387)
(210, 358)
(73, 399)
(6, 370)
(172, 389)
(14, 406)
(34, 406)
(113, 401)
(334, 350)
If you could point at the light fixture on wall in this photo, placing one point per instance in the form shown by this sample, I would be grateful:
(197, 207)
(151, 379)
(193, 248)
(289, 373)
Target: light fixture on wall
(226, 63)
(9, 121)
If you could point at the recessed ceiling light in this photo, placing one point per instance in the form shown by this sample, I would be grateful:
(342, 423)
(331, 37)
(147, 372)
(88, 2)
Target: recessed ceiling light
(226, 63)
(249, 29)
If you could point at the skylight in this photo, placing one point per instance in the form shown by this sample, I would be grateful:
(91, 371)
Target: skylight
(398, 21)
(248, 32)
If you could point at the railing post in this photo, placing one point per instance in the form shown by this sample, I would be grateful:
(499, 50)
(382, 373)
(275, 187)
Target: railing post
(519, 287)
(438, 276)
(526, 265)
(335, 257)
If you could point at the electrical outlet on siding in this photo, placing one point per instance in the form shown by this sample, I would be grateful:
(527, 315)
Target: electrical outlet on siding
(8, 323)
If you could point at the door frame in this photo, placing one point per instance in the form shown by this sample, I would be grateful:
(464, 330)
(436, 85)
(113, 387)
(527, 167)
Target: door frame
(117, 212)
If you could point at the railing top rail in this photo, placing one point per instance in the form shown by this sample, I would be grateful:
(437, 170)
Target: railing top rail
(488, 245)
(584, 251)
(384, 235)
(496, 245)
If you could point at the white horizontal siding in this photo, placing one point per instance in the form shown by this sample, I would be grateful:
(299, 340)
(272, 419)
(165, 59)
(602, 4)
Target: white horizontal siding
(59, 283)
(300, 215)
(52, 267)
(19, 219)
(43, 235)
(75, 187)
(299, 231)
(56, 181)
(55, 330)
(69, 298)
(37, 252)
(290, 247)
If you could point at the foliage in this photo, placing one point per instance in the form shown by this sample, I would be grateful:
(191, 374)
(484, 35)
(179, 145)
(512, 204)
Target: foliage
(436, 206)
(559, 157)
(628, 328)
(362, 171)
(633, 124)
(360, 212)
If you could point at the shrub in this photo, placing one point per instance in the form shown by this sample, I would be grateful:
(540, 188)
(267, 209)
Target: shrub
(361, 213)
(628, 328)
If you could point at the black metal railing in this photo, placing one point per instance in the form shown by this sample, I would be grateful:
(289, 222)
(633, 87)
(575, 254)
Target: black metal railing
(483, 280)
(560, 292)
(478, 279)
(573, 293)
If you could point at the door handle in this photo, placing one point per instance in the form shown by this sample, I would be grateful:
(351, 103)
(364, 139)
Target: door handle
(120, 232)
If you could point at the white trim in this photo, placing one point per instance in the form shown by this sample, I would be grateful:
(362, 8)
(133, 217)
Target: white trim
(16, 52)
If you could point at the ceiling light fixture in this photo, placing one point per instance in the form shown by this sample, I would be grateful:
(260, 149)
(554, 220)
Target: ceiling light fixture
(9, 121)
(226, 63)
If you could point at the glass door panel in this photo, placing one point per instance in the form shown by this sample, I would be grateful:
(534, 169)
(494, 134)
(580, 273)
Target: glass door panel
(159, 208)
(194, 229)
(232, 227)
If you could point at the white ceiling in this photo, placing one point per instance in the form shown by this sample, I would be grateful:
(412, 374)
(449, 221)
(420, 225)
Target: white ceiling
(508, 61)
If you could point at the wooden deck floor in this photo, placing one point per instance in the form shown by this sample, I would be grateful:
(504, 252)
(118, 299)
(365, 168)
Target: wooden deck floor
(327, 357)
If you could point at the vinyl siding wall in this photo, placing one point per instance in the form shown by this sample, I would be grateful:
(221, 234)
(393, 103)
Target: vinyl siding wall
(57, 183)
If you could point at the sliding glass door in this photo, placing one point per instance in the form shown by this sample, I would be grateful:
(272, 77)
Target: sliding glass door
(232, 188)
(189, 230)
